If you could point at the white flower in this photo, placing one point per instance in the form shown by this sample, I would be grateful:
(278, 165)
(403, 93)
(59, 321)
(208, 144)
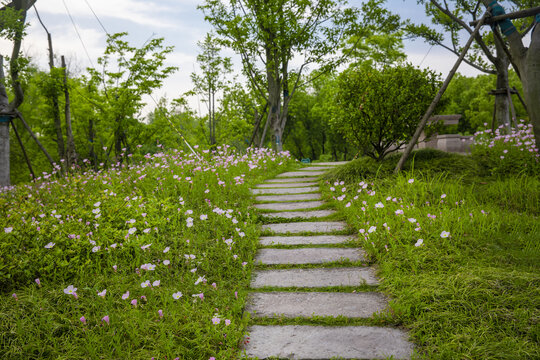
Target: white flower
(177, 295)
(49, 245)
(372, 229)
(420, 242)
(443, 196)
(166, 250)
(144, 247)
(166, 262)
(445, 234)
(379, 205)
(203, 217)
(156, 283)
(398, 212)
(97, 204)
(132, 230)
(8, 230)
(200, 279)
(412, 220)
(411, 181)
(96, 249)
(70, 290)
(145, 284)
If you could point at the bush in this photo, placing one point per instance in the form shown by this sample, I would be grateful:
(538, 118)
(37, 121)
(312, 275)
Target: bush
(501, 153)
(378, 110)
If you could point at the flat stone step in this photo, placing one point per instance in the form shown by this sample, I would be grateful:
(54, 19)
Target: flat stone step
(306, 226)
(297, 197)
(289, 206)
(305, 240)
(300, 173)
(286, 185)
(295, 190)
(327, 342)
(308, 304)
(315, 168)
(300, 214)
(313, 278)
(307, 256)
(336, 163)
(292, 180)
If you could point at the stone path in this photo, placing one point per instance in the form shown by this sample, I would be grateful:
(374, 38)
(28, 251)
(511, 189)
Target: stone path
(293, 292)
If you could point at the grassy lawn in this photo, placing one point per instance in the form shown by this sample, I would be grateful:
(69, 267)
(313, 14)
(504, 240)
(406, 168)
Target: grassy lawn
(458, 249)
(148, 260)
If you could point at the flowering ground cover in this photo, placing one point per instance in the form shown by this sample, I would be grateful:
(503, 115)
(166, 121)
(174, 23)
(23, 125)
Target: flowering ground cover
(457, 247)
(146, 260)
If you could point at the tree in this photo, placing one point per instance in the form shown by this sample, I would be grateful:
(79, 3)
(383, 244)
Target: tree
(12, 27)
(269, 34)
(214, 70)
(378, 110)
(139, 72)
(526, 61)
(487, 55)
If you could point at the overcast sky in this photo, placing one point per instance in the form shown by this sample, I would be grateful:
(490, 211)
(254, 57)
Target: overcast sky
(179, 22)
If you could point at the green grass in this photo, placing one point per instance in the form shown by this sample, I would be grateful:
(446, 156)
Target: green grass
(472, 295)
(155, 199)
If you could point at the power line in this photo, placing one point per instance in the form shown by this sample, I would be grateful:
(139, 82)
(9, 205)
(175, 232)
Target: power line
(425, 56)
(97, 18)
(79, 35)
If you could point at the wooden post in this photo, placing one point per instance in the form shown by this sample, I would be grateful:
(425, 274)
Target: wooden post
(71, 153)
(4, 152)
(437, 98)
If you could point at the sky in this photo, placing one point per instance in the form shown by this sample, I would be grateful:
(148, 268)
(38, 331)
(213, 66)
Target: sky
(180, 23)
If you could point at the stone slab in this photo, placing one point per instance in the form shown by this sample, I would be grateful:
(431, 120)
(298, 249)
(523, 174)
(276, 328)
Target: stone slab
(306, 226)
(336, 163)
(286, 185)
(307, 256)
(296, 197)
(301, 173)
(290, 206)
(308, 304)
(327, 342)
(292, 180)
(314, 278)
(295, 190)
(315, 168)
(305, 240)
(300, 214)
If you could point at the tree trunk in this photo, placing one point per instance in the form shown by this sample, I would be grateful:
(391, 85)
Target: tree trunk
(71, 153)
(502, 103)
(4, 154)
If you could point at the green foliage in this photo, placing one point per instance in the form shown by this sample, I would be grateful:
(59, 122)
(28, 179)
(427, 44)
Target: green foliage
(378, 110)
(11, 25)
(97, 230)
(502, 153)
(470, 288)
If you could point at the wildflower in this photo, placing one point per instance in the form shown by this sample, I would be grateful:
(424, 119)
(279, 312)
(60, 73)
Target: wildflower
(156, 283)
(203, 217)
(411, 181)
(49, 245)
(166, 250)
(115, 267)
(105, 319)
(200, 296)
(160, 312)
(412, 220)
(70, 290)
(125, 296)
(372, 229)
(443, 196)
(216, 320)
(361, 231)
(420, 242)
(200, 279)
(96, 249)
(8, 230)
(146, 231)
(227, 322)
(445, 234)
(134, 302)
(145, 284)
(144, 247)
(166, 262)
(97, 204)
(398, 212)
(132, 230)
(214, 285)
(15, 297)
(38, 282)
(83, 319)
(379, 205)
(102, 293)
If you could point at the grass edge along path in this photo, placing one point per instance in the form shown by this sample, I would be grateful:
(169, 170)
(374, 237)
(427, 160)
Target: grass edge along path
(146, 260)
(458, 252)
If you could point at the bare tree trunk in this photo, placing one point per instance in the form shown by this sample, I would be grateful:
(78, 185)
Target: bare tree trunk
(502, 104)
(4, 153)
(71, 153)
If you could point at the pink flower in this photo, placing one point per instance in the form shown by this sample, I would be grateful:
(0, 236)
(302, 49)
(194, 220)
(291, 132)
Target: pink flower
(236, 294)
(38, 282)
(125, 296)
(216, 320)
(227, 322)
(134, 302)
(105, 319)
(15, 297)
(83, 319)
(160, 312)
(115, 267)
(102, 293)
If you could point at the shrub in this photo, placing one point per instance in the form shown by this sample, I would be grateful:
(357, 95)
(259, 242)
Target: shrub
(379, 110)
(507, 153)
